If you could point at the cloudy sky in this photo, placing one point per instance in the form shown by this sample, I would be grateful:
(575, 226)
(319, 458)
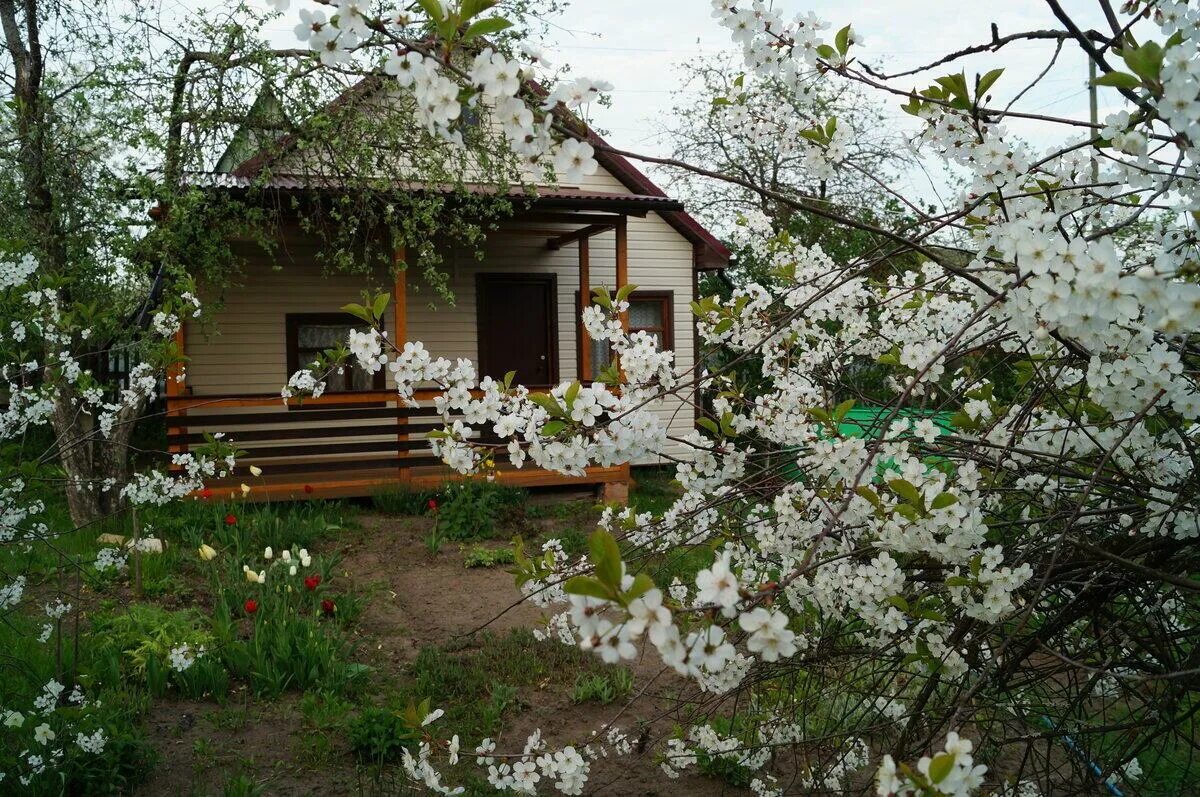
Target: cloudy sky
(643, 47)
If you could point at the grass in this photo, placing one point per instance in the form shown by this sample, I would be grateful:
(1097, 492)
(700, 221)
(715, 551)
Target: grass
(288, 643)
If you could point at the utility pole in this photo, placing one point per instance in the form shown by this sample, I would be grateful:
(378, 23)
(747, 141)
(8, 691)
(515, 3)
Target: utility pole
(1093, 102)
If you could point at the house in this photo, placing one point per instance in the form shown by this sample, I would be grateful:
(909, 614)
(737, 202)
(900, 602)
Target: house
(613, 228)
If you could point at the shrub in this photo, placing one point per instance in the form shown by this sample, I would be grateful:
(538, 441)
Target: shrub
(472, 510)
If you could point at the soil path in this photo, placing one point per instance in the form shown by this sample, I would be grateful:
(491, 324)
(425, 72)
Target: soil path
(414, 599)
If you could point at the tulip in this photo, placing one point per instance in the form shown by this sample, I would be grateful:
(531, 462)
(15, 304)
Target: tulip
(231, 520)
(255, 470)
(268, 553)
(292, 570)
(251, 606)
(328, 606)
(207, 552)
(245, 490)
(206, 493)
(312, 581)
(285, 555)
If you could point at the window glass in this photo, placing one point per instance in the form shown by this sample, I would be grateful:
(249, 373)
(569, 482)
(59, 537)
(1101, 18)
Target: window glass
(309, 337)
(648, 313)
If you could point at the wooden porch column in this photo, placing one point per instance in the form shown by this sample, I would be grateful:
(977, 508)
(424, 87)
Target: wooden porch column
(399, 337)
(618, 492)
(585, 299)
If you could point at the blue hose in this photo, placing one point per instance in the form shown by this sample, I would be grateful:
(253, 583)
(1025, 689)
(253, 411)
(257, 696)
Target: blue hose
(1092, 766)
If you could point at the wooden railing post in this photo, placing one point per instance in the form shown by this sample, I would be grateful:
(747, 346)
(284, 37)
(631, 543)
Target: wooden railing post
(400, 336)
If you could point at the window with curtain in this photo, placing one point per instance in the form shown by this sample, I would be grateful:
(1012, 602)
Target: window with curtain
(649, 312)
(310, 334)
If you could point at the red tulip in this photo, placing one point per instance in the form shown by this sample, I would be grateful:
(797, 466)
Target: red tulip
(432, 504)
(206, 493)
(308, 488)
(251, 606)
(328, 606)
(312, 581)
(231, 520)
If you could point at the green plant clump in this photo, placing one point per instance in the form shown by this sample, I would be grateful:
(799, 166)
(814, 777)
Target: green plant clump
(474, 510)
(479, 556)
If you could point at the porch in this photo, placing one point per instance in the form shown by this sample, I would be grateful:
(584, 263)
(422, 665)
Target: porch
(358, 439)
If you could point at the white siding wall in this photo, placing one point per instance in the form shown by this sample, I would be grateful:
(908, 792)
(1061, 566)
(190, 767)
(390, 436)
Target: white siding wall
(246, 350)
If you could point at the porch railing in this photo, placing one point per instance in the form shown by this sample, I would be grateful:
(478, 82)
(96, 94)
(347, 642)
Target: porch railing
(338, 444)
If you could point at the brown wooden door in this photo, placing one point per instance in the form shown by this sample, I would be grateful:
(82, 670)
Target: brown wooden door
(518, 327)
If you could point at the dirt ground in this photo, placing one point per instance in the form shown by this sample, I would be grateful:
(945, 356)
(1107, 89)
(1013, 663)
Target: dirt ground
(415, 599)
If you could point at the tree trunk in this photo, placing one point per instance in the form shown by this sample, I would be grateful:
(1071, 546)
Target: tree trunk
(96, 467)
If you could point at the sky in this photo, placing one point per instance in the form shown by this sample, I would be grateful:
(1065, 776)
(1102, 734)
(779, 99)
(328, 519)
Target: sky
(643, 48)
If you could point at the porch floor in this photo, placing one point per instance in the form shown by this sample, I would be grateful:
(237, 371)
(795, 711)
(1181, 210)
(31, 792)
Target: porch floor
(364, 483)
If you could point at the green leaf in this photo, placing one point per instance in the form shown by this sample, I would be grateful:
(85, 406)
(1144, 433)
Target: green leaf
(381, 303)
(958, 581)
(943, 500)
(842, 40)
(606, 558)
(551, 428)
(986, 82)
(601, 296)
(509, 377)
(869, 494)
(485, 27)
(586, 585)
(1118, 80)
(1146, 61)
(710, 425)
(825, 51)
(907, 491)
(642, 584)
(572, 393)
(727, 425)
(433, 8)
(840, 411)
(358, 311)
(473, 8)
(548, 403)
(941, 766)
(908, 511)
(897, 601)
(625, 292)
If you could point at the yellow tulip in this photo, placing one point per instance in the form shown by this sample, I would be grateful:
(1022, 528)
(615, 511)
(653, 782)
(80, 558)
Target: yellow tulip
(207, 552)
(245, 489)
(255, 470)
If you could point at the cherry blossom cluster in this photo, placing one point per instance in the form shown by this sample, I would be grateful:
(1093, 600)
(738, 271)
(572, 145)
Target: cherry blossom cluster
(444, 92)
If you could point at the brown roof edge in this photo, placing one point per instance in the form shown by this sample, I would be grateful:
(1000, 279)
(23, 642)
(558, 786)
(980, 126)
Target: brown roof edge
(710, 254)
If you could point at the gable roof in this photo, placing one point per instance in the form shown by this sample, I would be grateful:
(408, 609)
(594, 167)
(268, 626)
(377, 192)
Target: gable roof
(710, 253)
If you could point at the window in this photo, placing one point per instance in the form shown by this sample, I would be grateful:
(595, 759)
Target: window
(649, 312)
(309, 334)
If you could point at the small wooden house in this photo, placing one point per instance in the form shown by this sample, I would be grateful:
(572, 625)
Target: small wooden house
(615, 227)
